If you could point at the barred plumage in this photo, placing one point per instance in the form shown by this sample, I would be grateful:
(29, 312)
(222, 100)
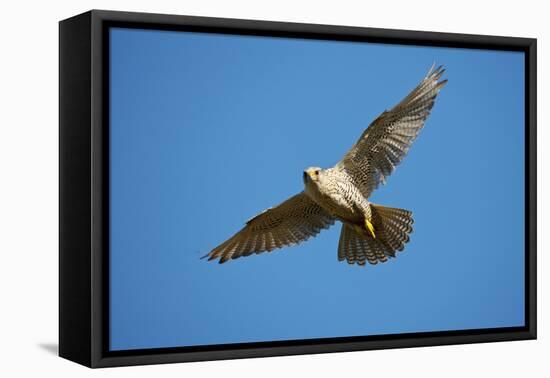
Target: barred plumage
(370, 233)
(290, 223)
(388, 138)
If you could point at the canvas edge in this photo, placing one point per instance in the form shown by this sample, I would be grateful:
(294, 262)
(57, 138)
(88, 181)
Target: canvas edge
(531, 183)
(75, 336)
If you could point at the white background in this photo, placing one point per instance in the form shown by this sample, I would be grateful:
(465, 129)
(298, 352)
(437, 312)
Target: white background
(29, 186)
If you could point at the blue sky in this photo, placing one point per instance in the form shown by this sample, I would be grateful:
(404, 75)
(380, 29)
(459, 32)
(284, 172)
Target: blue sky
(207, 130)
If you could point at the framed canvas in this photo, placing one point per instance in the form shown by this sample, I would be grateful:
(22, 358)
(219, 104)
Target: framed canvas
(397, 169)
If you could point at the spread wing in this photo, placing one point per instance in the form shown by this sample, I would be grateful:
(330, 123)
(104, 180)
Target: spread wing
(290, 223)
(388, 138)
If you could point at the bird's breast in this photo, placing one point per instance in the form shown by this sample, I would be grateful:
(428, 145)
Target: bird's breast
(337, 199)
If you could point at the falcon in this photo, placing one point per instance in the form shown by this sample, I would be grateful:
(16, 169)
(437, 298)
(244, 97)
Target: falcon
(370, 232)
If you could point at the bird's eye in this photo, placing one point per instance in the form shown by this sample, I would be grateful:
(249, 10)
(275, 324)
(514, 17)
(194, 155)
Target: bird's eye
(317, 173)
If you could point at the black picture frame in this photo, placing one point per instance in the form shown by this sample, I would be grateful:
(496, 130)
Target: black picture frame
(84, 200)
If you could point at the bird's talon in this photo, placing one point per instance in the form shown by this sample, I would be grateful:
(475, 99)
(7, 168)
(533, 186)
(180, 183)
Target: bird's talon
(370, 227)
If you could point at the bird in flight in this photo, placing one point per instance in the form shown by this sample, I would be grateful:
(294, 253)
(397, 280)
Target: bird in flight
(370, 232)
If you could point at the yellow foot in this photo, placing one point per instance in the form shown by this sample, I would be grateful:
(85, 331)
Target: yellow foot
(370, 227)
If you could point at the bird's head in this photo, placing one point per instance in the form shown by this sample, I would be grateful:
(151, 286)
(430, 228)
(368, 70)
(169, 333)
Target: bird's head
(312, 174)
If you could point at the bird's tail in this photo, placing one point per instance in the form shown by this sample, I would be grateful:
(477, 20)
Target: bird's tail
(386, 233)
